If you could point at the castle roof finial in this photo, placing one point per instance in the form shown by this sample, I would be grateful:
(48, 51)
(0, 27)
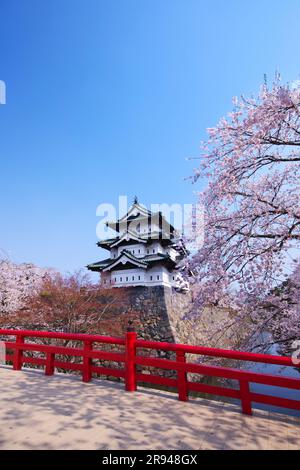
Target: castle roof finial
(135, 200)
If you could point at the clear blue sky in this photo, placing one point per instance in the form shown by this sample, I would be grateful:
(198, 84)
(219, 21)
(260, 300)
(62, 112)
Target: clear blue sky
(110, 97)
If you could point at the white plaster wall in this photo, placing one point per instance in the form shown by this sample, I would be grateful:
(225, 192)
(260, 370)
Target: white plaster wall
(134, 249)
(135, 277)
(156, 276)
(144, 249)
(105, 279)
(114, 252)
(173, 253)
(156, 246)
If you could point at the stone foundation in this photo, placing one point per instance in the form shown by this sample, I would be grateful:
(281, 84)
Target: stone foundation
(160, 312)
(162, 315)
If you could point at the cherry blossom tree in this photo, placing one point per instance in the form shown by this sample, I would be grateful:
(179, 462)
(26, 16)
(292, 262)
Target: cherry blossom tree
(285, 312)
(72, 304)
(251, 163)
(17, 283)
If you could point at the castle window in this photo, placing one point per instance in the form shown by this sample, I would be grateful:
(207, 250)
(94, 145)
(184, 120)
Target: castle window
(120, 279)
(158, 278)
(173, 278)
(153, 251)
(139, 251)
(115, 279)
(150, 278)
(139, 278)
(133, 251)
(148, 252)
(133, 278)
(126, 278)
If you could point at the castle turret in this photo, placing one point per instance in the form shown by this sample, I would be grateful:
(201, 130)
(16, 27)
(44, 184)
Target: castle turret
(143, 252)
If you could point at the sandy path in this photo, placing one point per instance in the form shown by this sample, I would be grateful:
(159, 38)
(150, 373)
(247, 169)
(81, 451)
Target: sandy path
(61, 412)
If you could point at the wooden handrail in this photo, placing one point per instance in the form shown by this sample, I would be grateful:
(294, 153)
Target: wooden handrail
(131, 359)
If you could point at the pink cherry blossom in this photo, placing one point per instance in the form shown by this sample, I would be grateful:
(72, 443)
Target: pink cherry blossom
(251, 163)
(18, 282)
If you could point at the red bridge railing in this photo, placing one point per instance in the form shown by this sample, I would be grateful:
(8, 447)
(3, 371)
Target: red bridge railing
(130, 358)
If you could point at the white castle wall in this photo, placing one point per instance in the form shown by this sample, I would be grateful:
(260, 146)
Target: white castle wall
(139, 250)
(156, 276)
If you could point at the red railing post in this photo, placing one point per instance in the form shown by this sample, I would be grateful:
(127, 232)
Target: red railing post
(87, 362)
(130, 367)
(49, 370)
(182, 377)
(245, 397)
(18, 355)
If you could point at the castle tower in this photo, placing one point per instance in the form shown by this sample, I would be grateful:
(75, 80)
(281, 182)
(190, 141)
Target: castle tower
(143, 252)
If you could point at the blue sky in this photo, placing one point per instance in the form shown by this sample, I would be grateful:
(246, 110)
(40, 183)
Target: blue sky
(110, 97)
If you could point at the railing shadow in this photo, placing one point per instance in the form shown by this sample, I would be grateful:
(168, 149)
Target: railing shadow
(62, 412)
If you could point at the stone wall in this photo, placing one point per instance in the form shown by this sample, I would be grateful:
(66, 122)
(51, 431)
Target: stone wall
(162, 315)
(160, 311)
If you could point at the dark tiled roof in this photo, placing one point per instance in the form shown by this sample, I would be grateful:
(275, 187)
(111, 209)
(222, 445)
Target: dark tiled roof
(99, 264)
(108, 241)
(147, 261)
(148, 237)
(141, 215)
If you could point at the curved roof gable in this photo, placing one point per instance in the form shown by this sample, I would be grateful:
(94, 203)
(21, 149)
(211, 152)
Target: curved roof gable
(124, 258)
(126, 237)
(135, 210)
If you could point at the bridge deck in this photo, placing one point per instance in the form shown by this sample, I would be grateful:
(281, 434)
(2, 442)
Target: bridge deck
(61, 412)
